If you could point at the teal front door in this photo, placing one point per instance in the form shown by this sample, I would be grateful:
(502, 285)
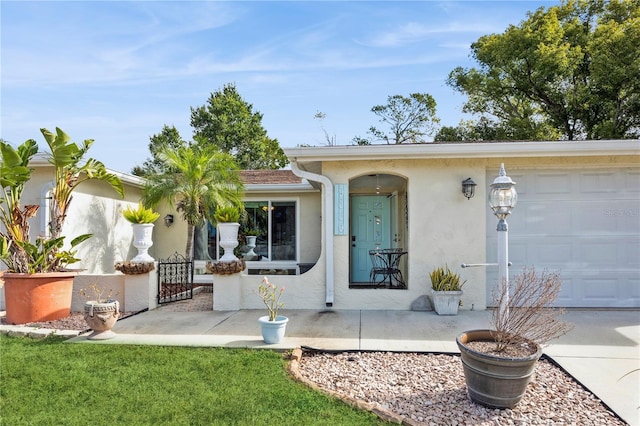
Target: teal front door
(370, 229)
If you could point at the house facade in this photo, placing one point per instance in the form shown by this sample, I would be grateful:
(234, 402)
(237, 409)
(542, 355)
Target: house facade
(578, 213)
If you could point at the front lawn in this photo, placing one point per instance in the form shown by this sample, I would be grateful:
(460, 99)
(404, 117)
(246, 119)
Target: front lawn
(49, 382)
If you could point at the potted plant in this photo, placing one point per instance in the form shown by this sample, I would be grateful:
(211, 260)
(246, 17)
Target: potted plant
(37, 284)
(498, 363)
(273, 325)
(141, 219)
(227, 217)
(101, 312)
(446, 290)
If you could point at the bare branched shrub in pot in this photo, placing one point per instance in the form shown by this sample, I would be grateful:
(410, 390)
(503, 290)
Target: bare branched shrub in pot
(498, 363)
(530, 315)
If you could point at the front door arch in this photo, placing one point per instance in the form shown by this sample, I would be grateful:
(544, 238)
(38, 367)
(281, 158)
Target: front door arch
(376, 220)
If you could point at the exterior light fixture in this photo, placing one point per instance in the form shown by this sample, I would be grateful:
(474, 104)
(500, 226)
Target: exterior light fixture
(502, 198)
(468, 188)
(168, 220)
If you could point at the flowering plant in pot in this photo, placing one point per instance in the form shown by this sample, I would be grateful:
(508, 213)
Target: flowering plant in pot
(101, 311)
(499, 363)
(446, 290)
(273, 325)
(141, 219)
(38, 285)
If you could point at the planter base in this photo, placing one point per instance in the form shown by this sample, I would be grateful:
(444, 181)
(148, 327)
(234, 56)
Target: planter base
(102, 335)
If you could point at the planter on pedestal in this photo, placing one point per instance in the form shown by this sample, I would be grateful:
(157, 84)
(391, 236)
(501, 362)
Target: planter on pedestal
(228, 240)
(142, 233)
(251, 243)
(38, 297)
(101, 317)
(273, 331)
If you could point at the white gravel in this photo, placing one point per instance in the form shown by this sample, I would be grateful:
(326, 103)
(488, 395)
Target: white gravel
(429, 389)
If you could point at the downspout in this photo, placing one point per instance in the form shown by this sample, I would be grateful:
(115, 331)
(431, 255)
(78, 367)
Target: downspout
(328, 228)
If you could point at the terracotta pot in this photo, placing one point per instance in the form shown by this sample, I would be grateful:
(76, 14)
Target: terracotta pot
(101, 317)
(38, 297)
(494, 381)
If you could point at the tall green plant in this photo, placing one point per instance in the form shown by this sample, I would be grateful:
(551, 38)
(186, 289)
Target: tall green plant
(66, 158)
(200, 178)
(45, 255)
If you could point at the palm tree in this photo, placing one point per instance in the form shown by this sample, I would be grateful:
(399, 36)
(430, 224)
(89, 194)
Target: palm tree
(66, 158)
(196, 179)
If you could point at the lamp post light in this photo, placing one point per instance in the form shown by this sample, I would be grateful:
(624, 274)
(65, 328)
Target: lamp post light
(502, 198)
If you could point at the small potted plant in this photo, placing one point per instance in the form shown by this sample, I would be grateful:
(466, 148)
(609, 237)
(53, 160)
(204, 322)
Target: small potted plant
(499, 363)
(100, 311)
(273, 325)
(141, 219)
(446, 290)
(227, 217)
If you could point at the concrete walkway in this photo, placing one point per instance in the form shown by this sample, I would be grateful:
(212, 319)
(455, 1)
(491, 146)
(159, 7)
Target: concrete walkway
(602, 351)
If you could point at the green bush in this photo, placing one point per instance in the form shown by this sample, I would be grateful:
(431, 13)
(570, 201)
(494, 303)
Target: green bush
(140, 214)
(443, 279)
(227, 214)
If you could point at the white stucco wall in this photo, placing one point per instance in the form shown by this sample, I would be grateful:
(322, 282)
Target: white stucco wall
(444, 228)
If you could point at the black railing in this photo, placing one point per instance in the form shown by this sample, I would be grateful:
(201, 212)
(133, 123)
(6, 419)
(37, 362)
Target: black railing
(175, 279)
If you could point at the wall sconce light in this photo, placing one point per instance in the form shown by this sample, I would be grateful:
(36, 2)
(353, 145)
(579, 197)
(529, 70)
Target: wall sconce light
(468, 188)
(168, 220)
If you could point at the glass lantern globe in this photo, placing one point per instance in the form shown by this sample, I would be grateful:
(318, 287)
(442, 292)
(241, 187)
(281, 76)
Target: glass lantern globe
(502, 195)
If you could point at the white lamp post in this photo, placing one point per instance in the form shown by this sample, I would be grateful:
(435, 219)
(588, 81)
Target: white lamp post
(502, 198)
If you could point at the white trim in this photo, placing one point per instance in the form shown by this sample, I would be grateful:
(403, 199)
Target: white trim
(466, 150)
(327, 215)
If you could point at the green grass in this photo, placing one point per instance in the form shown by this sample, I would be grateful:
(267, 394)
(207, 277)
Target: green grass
(49, 382)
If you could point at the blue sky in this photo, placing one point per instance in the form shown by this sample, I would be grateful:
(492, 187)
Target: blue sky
(117, 71)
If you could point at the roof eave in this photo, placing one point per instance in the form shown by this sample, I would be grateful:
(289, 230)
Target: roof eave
(467, 150)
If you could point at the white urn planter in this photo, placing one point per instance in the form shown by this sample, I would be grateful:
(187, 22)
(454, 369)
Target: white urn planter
(251, 243)
(142, 233)
(228, 232)
(101, 317)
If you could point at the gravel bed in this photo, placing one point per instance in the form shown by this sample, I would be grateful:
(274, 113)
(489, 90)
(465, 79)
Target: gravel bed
(75, 321)
(429, 389)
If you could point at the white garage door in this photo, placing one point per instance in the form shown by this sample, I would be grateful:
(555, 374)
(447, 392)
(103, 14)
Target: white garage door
(584, 224)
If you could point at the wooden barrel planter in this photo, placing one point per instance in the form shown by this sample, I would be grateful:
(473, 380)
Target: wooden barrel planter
(494, 381)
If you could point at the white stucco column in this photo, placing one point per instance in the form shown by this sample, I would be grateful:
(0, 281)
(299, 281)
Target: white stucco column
(141, 291)
(227, 290)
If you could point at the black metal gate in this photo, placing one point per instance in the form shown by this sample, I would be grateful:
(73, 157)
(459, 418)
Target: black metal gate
(175, 279)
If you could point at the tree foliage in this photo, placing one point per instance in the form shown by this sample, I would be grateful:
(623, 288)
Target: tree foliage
(228, 122)
(169, 137)
(196, 180)
(567, 72)
(409, 120)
